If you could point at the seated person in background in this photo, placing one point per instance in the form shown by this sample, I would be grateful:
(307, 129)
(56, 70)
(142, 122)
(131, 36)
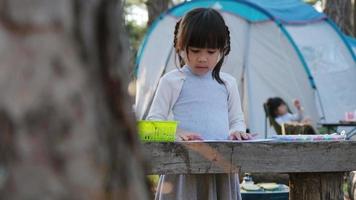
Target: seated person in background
(278, 109)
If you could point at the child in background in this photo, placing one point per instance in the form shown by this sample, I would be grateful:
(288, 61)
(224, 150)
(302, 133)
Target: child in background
(204, 100)
(278, 109)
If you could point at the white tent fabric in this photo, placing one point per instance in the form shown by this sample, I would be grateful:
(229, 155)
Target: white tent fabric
(266, 63)
(331, 65)
(274, 69)
(152, 64)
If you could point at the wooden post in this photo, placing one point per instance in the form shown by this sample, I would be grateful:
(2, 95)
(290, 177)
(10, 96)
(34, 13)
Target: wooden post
(316, 186)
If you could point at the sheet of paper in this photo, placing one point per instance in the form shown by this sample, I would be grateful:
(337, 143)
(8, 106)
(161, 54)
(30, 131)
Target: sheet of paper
(245, 141)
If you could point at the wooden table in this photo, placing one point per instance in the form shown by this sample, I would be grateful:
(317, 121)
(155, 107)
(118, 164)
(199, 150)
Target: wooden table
(316, 169)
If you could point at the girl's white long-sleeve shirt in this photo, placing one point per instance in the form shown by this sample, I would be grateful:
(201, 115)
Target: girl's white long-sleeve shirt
(289, 117)
(170, 87)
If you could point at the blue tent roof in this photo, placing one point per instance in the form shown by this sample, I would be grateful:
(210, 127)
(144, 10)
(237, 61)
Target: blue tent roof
(286, 11)
(351, 41)
(290, 11)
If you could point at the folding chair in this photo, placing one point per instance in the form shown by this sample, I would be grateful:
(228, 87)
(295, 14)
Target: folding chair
(287, 128)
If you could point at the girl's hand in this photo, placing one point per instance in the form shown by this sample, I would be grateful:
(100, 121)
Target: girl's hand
(307, 121)
(239, 135)
(297, 104)
(190, 136)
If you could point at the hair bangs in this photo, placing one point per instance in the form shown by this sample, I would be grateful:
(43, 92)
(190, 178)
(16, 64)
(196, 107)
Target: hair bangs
(202, 35)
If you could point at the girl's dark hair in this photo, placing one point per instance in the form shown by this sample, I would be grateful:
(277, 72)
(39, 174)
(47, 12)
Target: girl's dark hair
(273, 104)
(203, 28)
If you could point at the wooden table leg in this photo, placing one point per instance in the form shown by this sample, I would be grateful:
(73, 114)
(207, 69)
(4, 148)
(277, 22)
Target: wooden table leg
(316, 186)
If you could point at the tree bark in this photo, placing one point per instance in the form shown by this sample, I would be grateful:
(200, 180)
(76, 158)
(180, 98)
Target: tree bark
(316, 186)
(66, 127)
(155, 8)
(340, 11)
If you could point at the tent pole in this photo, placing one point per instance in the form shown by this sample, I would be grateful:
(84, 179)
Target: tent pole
(322, 118)
(245, 63)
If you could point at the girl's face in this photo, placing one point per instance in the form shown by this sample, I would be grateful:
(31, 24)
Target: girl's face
(282, 109)
(201, 60)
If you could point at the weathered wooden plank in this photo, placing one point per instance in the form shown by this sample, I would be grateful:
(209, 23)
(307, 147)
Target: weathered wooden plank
(262, 157)
(316, 186)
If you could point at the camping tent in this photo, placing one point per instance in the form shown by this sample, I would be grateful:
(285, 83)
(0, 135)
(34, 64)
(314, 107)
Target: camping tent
(352, 42)
(278, 48)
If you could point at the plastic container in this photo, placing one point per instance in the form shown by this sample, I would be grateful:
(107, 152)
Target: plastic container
(350, 116)
(157, 131)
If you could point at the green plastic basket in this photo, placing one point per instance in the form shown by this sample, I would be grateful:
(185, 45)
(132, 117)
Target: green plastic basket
(157, 131)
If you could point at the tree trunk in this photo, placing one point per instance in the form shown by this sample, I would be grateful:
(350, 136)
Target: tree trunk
(316, 186)
(340, 11)
(155, 8)
(66, 129)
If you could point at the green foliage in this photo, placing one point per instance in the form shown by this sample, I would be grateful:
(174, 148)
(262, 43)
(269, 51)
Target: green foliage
(134, 30)
(134, 2)
(136, 34)
(153, 180)
(312, 2)
(322, 130)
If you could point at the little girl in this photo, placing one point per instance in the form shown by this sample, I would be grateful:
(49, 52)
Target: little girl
(204, 100)
(278, 109)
